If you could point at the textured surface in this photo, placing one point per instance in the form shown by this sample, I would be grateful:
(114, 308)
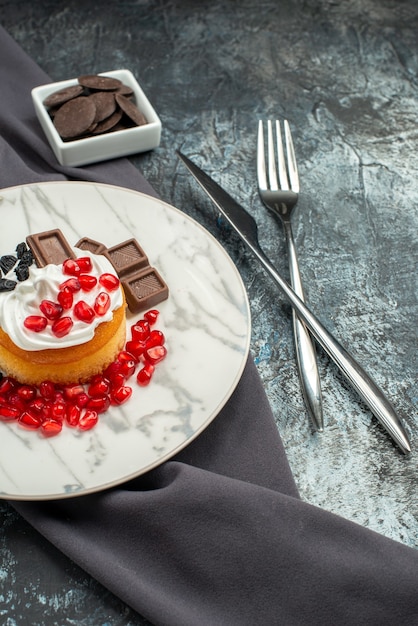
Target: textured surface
(346, 77)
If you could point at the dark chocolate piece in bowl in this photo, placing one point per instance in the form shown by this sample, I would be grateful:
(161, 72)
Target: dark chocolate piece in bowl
(125, 90)
(105, 104)
(63, 95)
(131, 110)
(101, 83)
(108, 124)
(75, 117)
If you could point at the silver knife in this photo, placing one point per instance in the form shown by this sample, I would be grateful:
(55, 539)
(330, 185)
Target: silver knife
(367, 389)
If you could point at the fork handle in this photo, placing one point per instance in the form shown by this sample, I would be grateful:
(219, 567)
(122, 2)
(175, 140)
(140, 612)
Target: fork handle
(306, 359)
(365, 386)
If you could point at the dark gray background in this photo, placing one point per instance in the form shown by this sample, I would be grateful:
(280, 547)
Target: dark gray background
(345, 74)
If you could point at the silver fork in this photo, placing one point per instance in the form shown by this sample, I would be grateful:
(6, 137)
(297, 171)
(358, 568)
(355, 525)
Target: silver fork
(280, 195)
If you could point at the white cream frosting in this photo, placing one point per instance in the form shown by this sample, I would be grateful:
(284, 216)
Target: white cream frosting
(43, 284)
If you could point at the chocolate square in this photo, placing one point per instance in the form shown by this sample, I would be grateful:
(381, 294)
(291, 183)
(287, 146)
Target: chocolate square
(127, 257)
(49, 246)
(144, 290)
(93, 246)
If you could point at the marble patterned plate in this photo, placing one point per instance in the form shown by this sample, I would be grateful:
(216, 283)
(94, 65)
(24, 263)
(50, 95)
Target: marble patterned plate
(206, 321)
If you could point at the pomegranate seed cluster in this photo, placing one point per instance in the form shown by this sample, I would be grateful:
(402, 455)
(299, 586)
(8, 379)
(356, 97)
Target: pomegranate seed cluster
(48, 407)
(59, 314)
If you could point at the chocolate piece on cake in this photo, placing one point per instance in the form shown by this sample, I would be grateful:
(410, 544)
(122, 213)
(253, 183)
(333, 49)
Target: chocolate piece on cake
(143, 286)
(93, 246)
(144, 289)
(49, 246)
(127, 257)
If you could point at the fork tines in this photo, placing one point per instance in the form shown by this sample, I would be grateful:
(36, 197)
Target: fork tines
(287, 168)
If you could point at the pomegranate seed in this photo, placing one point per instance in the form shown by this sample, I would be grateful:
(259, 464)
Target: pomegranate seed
(100, 404)
(117, 379)
(87, 282)
(135, 347)
(73, 415)
(84, 312)
(9, 412)
(121, 394)
(140, 331)
(102, 303)
(51, 427)
(112, 368)
(58, 411)
(62, 327)
(155, 354)
(72, 391)
(47, 390)
(26, 392)
(71, 267)
(72, 284)
(36, 323)
(124, 355)
(7, 385)
(132, 357)
(128, 367)
(109, 281)
(59, 396)
(99, 387)
(36, 406)
(113, 372)
(85, 264)
(156, 338)
(151, 316)
(81, 400)
(47, 410)
(16, 401)
(51, 310)
(97, 378)
(29, 420)
(88, 419)
(65, 298)
(145, 374)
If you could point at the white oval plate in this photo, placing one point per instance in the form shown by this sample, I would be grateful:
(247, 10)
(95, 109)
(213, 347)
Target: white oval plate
(206, 321)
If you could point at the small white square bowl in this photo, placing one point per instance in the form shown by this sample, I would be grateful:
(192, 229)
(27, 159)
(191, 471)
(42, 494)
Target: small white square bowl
(114, 144)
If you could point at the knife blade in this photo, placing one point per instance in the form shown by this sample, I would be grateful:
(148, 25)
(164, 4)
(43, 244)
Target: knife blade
(246, 227)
